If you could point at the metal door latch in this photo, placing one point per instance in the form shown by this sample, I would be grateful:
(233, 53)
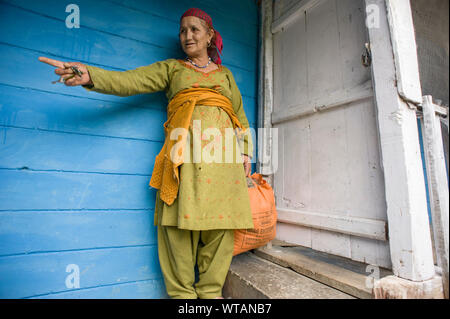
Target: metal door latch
(366, 57)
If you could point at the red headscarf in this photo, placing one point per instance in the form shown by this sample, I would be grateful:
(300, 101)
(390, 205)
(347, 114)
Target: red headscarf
(217, 46)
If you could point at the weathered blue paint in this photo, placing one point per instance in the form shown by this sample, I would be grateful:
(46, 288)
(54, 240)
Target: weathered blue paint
(75, 165)
(424, 168)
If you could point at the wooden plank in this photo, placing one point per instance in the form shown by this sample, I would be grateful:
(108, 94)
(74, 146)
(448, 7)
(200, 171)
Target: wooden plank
(363, 227)
(440, 110)
(352, 39)
(234, 11)
(267, 142)
(35, 274)
(434, 155)
(228, 20)
(292, 14)
(52, 190)
(370, 251)
(71, 114)
(331, 242)
(324, 70)
(143, 289)
(295, 234)
(361, 249)
(409, 234)
(67, 113)
(26, 232)
(46, 150)
(403, 41)
(355, 95)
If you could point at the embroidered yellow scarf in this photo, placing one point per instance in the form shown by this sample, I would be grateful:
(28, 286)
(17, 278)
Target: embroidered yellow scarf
(165, 175)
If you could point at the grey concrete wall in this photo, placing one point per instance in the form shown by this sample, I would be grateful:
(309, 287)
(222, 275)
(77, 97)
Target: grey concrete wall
(431, 25)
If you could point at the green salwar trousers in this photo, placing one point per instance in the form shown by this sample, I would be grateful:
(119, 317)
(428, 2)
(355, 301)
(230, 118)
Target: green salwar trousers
(180, 250)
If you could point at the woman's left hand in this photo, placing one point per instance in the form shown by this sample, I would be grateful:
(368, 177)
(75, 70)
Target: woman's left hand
(247, 164)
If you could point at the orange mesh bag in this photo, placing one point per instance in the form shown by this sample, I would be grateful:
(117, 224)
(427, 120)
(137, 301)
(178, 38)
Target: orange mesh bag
(262, 202)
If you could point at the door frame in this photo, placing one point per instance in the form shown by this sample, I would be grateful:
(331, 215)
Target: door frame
(396, 89)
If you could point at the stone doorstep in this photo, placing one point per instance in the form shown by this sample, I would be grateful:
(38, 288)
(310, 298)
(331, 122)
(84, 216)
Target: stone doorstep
(392, 287)
(252, 277)
(340, 273)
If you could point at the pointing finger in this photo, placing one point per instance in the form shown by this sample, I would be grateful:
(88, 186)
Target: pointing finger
(58, 64)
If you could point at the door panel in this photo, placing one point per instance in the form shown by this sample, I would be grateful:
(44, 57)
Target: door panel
(329, 186)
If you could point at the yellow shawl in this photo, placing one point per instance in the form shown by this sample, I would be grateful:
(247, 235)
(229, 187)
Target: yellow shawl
(165, 175)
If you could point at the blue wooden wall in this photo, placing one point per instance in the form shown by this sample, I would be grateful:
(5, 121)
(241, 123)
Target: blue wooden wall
(75, 165)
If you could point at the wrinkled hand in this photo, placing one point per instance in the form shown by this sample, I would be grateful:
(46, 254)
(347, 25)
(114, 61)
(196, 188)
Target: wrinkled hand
(64, 70)
(247, 164)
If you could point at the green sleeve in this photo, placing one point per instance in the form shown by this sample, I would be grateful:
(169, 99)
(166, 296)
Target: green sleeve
(145, 79)
(246, 141)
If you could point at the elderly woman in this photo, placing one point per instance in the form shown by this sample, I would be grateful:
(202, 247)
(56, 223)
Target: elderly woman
(200, 201)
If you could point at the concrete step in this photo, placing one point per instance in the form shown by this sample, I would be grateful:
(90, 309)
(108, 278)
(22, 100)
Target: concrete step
(252, 277)
(349, 276)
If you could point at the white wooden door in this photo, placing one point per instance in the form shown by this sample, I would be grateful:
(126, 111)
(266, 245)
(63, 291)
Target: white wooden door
(329, 184)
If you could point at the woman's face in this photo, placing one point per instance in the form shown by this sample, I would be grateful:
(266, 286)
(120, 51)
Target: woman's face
(194, 36)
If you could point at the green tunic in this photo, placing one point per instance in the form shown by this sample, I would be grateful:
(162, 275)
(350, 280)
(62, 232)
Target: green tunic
(213, 190)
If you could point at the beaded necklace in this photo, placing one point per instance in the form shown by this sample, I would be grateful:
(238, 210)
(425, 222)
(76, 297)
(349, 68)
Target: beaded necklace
(198, 66)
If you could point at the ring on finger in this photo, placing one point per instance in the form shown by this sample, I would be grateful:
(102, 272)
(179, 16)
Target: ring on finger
(76, 70)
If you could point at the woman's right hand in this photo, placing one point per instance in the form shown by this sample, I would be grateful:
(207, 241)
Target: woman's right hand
(64, 70)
